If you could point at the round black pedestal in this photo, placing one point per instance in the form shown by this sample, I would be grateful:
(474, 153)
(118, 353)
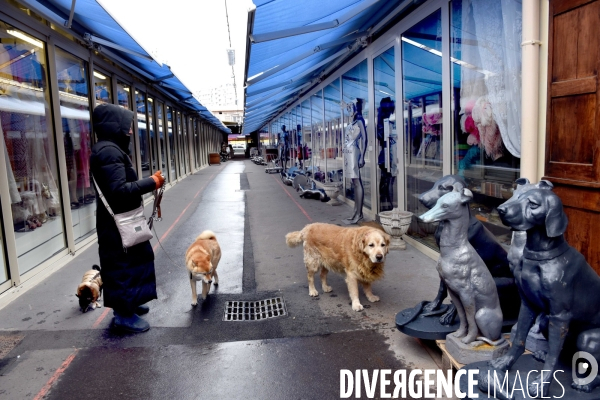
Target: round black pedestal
(523, 365)
(429, 327)
(423, 327)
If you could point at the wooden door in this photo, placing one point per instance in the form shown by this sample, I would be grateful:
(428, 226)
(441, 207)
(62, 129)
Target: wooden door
(573, 119)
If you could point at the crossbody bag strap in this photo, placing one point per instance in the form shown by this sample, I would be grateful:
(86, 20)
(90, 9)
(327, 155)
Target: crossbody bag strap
(110, 211)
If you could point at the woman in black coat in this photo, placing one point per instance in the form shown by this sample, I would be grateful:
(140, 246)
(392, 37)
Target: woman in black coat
(127, 274)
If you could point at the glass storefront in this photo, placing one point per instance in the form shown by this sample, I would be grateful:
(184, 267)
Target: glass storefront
(75, 113)
(173, 173)
(163, 141)
(355, 84)
(318, 167)
(140, 103)
(334, 163)
(102, 88)
(124, 95)
(384, 81)
(306, 135)
(486, 95)
(153, 142)
(29, 145)
(423, 128)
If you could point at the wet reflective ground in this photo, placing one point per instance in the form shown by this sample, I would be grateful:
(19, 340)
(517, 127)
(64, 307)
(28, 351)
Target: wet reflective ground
(191, 353)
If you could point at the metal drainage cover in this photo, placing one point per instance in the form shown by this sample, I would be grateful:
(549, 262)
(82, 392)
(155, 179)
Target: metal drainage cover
(254, 310)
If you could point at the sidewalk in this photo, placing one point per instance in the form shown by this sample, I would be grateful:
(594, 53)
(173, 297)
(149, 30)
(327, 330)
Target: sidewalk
(191, 352)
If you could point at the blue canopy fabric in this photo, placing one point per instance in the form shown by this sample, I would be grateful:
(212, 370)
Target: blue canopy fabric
(278, 15)
(91, 18)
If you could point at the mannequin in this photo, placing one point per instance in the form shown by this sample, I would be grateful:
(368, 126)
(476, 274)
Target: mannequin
(355, 147)
(388, 176)
(284, 147)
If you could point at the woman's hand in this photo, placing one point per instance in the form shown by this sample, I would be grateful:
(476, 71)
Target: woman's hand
(159, 179)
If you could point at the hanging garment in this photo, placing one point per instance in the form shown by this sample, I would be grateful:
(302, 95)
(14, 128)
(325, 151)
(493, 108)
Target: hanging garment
(15, 197)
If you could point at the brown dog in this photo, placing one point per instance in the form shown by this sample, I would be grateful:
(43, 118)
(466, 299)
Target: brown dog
(201, 260)
(90, 289)
(357, 252)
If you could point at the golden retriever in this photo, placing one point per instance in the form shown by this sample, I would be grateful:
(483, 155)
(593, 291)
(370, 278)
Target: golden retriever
(357, 252)
(201, 261)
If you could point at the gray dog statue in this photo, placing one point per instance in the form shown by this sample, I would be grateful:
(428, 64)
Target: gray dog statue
(554, 280)
(470, 283)
(485, 244)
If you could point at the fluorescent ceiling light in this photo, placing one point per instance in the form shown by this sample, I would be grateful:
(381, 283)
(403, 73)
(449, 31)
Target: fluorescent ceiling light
(126, 89)
(454, 60)
(26, 38)
(99, 75)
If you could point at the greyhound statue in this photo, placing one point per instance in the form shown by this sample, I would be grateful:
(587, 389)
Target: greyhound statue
(470, 283)
(493, 254)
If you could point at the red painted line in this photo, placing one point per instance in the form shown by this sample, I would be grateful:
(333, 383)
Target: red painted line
(101, 317)
(294, 200)
(155, 247)
(55, 376)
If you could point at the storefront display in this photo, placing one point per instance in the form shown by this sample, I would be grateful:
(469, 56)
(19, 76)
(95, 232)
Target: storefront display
(486, 70)
(102, 88)
(384, 75)
(355, 84)
(334, 142)
(144, 140)
(423, 129)
(75, 113)
(31, 164)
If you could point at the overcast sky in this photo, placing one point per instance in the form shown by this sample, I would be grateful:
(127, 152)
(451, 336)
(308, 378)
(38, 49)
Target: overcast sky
(189, 35)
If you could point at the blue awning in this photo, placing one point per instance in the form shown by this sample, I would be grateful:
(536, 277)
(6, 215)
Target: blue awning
(93, 24)
(294, 43)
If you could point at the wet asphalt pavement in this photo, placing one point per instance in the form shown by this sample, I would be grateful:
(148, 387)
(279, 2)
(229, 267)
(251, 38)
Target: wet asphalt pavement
(191, 353)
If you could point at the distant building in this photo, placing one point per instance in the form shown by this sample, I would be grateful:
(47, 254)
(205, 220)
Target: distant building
(221, 97)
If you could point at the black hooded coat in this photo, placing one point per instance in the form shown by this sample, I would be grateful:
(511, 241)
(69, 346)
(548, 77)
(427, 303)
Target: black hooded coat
(128, 276)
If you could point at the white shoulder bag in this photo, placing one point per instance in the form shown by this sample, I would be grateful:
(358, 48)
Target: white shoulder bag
(132, 225)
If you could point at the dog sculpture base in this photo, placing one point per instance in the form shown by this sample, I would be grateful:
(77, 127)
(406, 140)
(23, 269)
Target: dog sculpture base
(475, 351)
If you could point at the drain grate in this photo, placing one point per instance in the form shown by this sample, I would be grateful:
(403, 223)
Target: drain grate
(7, 343)
(254, 310)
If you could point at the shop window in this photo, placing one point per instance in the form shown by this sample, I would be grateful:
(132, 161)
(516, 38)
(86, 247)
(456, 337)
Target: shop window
(124, 95)
(163, 141)
(173, 174)
(307, 134)
(355, 85)
(140, 102)
(334, 162)
(75, 112)
(422, 85)
(317, 167)
(384, 77)
(153, 144)
(486, 119)
(102, 88)
(29, 149)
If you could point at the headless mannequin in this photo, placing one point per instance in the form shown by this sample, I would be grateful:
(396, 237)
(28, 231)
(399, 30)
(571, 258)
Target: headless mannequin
(355, 146)
(284, 147)
(388, 177)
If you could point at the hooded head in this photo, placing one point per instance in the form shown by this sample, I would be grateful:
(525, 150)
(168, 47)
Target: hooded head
(112, 123)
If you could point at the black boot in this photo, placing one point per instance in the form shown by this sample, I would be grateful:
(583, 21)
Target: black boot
(130, 323)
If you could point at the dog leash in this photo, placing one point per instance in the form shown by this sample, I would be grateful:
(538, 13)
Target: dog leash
(157, 216)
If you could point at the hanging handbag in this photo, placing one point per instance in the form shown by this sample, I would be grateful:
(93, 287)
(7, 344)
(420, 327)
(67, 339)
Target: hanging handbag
(132, 225)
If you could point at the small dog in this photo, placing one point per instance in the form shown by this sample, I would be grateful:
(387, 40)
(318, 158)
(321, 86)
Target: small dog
(90, 289)
(201, 260)
(357, 252)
